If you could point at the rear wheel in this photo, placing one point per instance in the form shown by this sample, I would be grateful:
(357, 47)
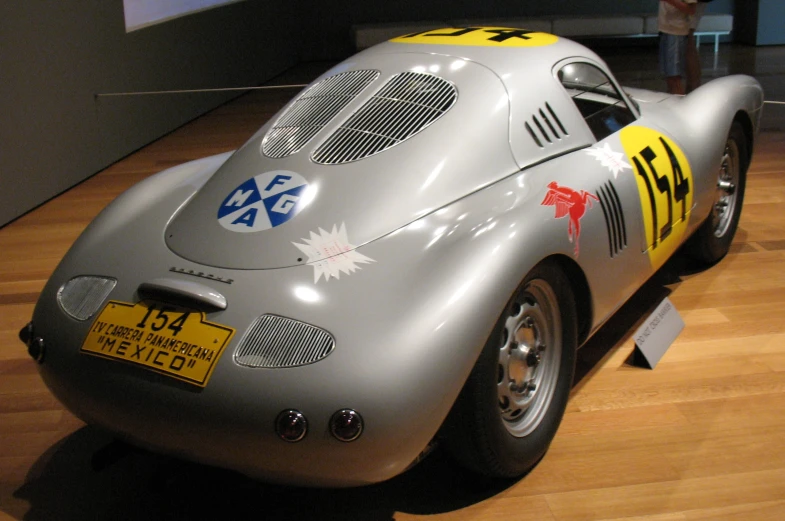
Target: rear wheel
(713, 239)
(511, 405)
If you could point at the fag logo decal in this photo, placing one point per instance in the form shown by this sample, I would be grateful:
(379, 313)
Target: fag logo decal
(572, 203)
(482, 36)
(665, 186)
(263, 202)
(331, 254)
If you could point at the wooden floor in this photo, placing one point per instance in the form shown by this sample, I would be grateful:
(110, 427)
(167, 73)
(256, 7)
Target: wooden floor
(700, 437)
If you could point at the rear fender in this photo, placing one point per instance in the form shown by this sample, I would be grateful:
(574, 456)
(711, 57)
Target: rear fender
(701, 121)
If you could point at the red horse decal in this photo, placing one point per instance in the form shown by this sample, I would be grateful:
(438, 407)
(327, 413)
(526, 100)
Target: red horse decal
(569, 202)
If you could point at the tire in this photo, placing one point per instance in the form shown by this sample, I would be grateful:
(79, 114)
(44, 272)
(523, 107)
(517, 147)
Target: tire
(713, 239)
(513, 401)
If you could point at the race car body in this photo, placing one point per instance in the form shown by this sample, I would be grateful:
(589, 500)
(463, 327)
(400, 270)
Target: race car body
(412, 249)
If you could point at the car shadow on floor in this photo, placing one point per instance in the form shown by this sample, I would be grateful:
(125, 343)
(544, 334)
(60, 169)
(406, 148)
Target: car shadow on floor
(88, 476)
(64, 485)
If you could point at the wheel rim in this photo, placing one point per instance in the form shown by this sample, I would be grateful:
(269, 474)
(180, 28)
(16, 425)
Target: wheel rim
(529, 358)
(726, 194)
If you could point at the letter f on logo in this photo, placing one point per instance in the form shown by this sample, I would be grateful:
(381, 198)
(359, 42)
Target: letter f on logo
(278, 180)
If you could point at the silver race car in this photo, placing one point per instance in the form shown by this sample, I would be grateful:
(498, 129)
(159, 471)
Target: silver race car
(410, 251)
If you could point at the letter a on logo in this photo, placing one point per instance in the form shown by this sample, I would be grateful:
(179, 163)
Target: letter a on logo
(247, 218)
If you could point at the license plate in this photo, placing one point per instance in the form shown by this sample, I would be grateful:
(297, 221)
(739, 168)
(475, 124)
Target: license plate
(173, 341)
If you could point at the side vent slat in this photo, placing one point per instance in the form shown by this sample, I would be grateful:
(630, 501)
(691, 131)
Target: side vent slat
(542, 130)
(545, 127)
(550, 125)
(408, 103)
(556, 119)
(534, 136)
(312, 110)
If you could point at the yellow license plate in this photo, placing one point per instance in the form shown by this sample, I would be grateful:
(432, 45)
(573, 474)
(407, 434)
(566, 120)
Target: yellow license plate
(167, 339)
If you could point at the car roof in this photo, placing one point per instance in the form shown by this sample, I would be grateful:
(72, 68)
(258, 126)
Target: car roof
(502, 49)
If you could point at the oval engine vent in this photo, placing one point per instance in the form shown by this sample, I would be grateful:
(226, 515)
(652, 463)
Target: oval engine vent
(407, 104)
(274, 341)
(312, 110)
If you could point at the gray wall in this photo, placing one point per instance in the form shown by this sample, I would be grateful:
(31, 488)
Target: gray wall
(334, 38)
(771, 23)
(762, 22)
(55, 56)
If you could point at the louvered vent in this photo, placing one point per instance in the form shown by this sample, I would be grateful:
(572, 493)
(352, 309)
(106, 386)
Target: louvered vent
(274, 341)
(545, 127)
(312, 110)
(614, 218)
(408, 103)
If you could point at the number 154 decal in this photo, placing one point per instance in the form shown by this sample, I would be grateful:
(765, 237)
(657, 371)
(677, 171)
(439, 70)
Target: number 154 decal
(665, 186)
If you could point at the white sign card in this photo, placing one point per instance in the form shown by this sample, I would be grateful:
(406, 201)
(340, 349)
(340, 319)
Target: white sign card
(656, 334)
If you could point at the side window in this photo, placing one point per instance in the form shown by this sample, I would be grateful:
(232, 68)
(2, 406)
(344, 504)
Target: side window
(597, 99)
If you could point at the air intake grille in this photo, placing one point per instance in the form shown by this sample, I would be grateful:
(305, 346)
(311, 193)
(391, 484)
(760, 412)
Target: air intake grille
(312, 110)
(545, 127)
(274, 341)
(408, 103)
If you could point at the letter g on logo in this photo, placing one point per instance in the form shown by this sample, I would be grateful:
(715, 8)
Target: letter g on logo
(285, 204)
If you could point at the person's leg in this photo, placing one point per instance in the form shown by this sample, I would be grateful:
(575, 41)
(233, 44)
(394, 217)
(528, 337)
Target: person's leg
(692, 63)
(672, 61)
(692, 57)
(675, 85)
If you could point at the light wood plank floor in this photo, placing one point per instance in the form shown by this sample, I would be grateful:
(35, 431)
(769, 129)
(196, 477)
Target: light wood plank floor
(700, 437)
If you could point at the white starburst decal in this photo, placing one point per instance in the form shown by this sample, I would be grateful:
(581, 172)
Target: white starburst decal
(331, 254)
(613, 160)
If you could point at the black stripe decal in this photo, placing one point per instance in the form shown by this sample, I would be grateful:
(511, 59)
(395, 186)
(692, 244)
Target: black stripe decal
(614, 218)
(620, 215)
(605, 210)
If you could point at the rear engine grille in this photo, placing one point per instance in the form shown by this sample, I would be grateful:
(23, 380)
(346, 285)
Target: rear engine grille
(312, 110)
(406, 105)
(274, 341)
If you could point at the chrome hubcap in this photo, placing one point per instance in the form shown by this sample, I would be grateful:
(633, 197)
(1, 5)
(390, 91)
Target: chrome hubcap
(725, 195)
(529, 357)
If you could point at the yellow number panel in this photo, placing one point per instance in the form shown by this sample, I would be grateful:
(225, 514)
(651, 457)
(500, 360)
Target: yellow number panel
(665, 186)
(482, 36)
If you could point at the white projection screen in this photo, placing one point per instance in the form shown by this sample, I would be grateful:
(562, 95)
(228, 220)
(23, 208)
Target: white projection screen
(142, 13)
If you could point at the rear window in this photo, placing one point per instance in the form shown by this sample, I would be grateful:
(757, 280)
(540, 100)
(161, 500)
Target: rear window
(596, 97)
